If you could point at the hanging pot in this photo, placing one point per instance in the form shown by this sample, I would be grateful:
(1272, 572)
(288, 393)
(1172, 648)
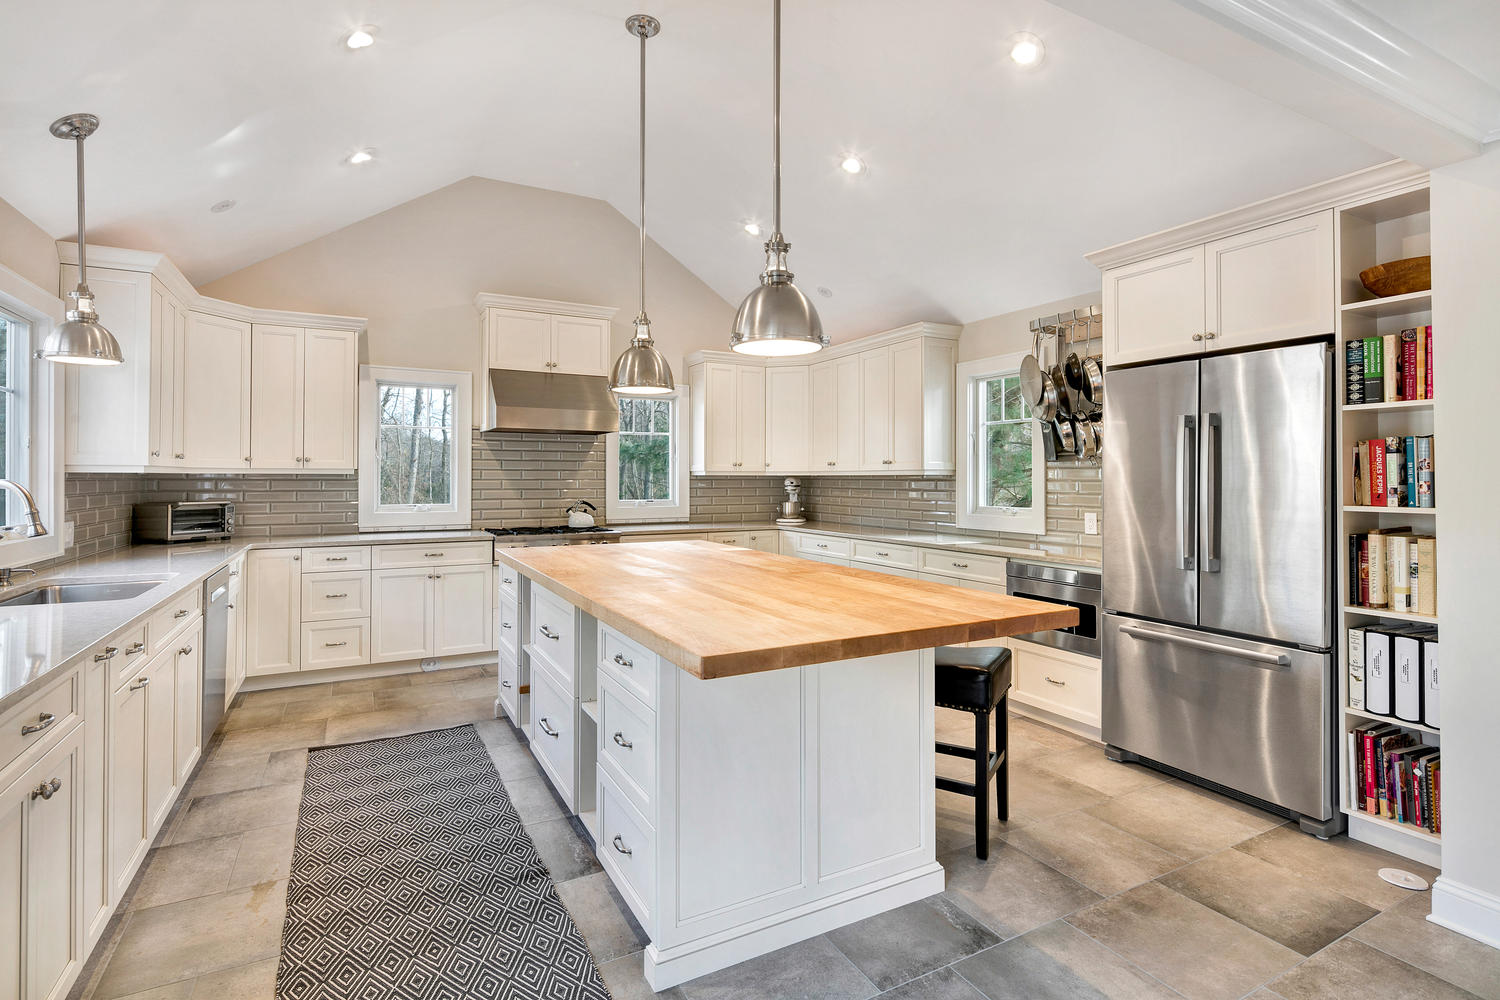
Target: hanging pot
(1063, 426)
(1093, 380)
(1085, 439)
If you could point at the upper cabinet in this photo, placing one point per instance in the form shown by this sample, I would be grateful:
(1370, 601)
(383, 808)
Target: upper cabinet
(837, 415)
(541, 335)
(788, 417)
(728, 403)
(1267, 284)
(206, 386)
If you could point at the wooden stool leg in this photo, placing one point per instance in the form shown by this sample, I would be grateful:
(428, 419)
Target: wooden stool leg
(1002, 745)
(981, 785)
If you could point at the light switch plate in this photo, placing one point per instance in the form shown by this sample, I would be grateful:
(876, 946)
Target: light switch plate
(67, 534)
(1091, 524)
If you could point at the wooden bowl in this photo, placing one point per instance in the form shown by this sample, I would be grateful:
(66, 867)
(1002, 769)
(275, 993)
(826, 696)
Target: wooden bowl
(1414, 274)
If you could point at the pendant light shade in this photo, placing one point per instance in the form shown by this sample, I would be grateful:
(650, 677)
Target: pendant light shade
(776, 319)
(81, 340)
(642, 370)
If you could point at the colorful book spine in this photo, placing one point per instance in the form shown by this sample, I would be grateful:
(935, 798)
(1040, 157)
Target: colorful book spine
(1421, 362)
(1395, 477)
(1409, 466)
(1390, 365)
(1429, 363)
(1354, 373)
(1426, 497)
(1374, 371)
(1376, 473)
(1408, 348)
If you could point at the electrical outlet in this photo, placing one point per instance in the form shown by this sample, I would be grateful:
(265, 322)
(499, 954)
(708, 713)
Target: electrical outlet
(430, 663)
(67, 534)
(1091, 524)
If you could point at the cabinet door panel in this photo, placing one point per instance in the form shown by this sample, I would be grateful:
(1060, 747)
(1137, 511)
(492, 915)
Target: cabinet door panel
(128, 826)
(273, 597)
(168, 328)
(401, 614)
(329, 400)
(12, 899)
(213, 407)
(751, 408)
(106, 406)
(850, 415)
(98, 677)
(188, 671)
(161, 738)
(787, 419)
(721, 408)
(906, 407)
(580, 346)
(52, 826)
(875, 402)
(1153, 308)
(276, 401)
(521, 341)
(461, 609)
(823, 409)
(1273, 283)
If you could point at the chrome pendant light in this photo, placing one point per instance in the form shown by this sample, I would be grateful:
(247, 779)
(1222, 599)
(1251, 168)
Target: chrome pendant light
(776, 319)
(642, 370)
(81, 340)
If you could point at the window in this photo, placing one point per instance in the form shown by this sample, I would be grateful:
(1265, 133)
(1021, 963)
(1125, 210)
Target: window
(646, 462)
(414, 448)
(14, 409)
(1002, 471)
(30, 418)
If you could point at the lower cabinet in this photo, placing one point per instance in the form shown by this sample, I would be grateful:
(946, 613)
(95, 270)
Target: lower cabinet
(273, 637)
(234, 656)
(335, 644)
(1056, 681)
(142, 763)
(424, 611)
(187, 671)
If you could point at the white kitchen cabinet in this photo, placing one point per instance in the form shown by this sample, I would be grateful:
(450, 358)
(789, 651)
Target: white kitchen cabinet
(276, 401)
(436, 610)
(903, 389)
(129, 826)
(41, 826)
(273, 596)
(836, 414)
(211, 414)
(534, 341)
(764, 540)
(187, 670)
(161, 738)
(461, 603)
(335, 644)
(1057, 682)
(108, 408)
(169, 323)
(234, 660)
(304, 408)
(580, 346)
(97, 679)
(728, 403)
(788, 419)
(400, 614)
(1154, 308)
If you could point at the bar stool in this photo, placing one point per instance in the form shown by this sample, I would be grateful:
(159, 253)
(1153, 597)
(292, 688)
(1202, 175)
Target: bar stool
(977, 679)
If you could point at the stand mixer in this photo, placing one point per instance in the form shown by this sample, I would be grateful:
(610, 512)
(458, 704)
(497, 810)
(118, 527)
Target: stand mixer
(791, 507)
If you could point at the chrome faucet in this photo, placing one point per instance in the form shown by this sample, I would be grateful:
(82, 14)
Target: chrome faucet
(34, 527)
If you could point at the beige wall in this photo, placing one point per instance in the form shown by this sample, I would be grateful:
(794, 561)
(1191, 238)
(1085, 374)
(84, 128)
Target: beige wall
(414, 271)
(1011, 332)
(26, 249)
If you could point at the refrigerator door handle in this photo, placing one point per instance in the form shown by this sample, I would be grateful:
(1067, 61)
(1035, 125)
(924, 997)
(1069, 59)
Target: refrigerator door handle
(1151, 635)
(1213, 488)
(1187, 481)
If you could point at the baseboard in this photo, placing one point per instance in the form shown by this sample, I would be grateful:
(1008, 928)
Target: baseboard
(1467, 910)
(263, 682)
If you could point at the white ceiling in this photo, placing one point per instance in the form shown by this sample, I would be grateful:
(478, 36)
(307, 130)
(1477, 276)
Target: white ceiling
(986, 185)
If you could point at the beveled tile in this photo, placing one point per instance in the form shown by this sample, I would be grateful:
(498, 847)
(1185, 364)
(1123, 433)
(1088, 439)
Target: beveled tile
(1090, 851)
(1200, 953)
(602, 916)
(1285, 908)
(1058, 962)
(256, 981)
(1404, 932)
(1088, 766)
(265, 855)
(286, 736)
(944, 984)
(626, 980)
(565, 853)
(1011, 892)
(1347, 969)
(165, 944)
(1188, 821)
(808, 970)
(899, 945)
(1343, 865)
(185, 871)
(327, 708)
(236, 812)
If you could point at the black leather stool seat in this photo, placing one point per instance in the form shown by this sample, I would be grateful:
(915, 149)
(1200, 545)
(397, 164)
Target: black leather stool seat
(972, 678)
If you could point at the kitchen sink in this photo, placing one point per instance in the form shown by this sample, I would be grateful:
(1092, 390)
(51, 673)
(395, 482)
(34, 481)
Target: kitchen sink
(79, 593)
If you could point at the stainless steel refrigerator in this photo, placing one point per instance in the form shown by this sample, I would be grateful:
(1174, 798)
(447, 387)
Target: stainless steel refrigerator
(1218, 570)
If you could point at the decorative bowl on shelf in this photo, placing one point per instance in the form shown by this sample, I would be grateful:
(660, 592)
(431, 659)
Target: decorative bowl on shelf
(1398, 277)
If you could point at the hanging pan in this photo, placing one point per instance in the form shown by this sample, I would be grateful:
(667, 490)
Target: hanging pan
(1032, 376)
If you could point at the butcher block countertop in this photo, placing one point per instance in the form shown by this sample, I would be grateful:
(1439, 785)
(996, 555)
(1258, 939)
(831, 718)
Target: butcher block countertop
(719, 611)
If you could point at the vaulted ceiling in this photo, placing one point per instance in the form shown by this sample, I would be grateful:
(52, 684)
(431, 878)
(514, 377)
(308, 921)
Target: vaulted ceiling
(985, 186)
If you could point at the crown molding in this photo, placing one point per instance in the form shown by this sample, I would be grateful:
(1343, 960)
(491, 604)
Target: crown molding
(1362, 185)
(485, 300)
(934, 331)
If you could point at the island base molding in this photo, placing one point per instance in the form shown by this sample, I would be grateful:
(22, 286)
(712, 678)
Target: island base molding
(668, 967)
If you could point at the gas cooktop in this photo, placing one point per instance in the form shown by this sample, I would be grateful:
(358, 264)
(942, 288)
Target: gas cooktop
(532, 530)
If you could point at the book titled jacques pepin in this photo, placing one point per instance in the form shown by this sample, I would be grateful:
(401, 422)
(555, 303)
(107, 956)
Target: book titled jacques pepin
(1396, 366)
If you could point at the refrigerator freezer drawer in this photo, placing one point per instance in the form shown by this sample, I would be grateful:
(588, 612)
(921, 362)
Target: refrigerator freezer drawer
(1248, 715)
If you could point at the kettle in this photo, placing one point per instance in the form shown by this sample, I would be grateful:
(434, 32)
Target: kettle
(581, 514)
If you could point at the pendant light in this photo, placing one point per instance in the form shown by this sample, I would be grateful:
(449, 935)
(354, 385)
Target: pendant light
(642, 370)
(776, 319)
(80, 340)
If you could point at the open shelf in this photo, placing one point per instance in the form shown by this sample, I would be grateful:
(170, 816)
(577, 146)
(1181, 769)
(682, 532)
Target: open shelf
(591, 709)
(1409, 829)
(1390, 305)
(1395, 404)
(1400, 616)
(1360, 713)
(1425, 511)
(590, 820)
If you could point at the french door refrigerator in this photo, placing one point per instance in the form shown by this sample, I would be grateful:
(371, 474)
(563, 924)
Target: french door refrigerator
(1218, 567)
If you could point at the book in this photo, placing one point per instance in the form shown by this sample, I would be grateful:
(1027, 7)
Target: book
(1389, 368)
(1426, 603)
(1379, 594)
(1429, 363)
(1356, 664)
(1370, 736)
(1379, 689)
(1431, 715)
(1409, 465)
(1374, 371)
(1395, 476)
(1354, 540)
(1354, 372)
(1408, 352)
(1406, 673)
(1421, 363)
(1398, 572)
(1364, 570)
(1386, 788)
(1413, 576)
(1359, 497)
(1426, 487)
(1376, 467)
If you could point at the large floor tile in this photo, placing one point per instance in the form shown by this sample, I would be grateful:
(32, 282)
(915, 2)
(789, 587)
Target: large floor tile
(458, 713)
(1284, 907)
(227, 775)
(944, 984)
(174, 873)
(1343, 865)
(381, 683)
(1058, 962)
(282, 695)
(1188, 821)
(899, 945)
(534, 800)
(1090, 851)
(565, 853)
(184, 940)
(626, 980)
(256, 981)
(446, 675)
(515, 761)
(374, 725)
(265, 855)
(327, 708)
(1088, 766)
(1404, 932)
(1200, 953)
(602, 917)
(181, 990)
(808, 970)
(1012, 892)
(419, 696)
(236, 812)
(286, 767)
(1036, 794)
(1352, 970)
(286, 736)
(252, 717)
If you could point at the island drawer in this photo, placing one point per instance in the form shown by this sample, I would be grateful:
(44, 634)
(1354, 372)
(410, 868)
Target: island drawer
(627, 850)
(431, 554)
(508, 628)
(964, 565)
(1058, 681)
(627, 742)
(510, 689)
(340, 557)
(331, 596)
(39, 717)
(630, 663)
(554, 633)
(510, 583)
(164, 623)
(335, 643)
(131, 656)
(826, 545)
(885, 554)
(552, 733)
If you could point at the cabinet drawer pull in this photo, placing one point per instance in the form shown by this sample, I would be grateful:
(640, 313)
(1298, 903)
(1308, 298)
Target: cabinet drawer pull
(341, 642)
(333, 597)
(726, 541)
(140, 682)
(505, 684)
(43, 721)
(621, 741)
(47, 789)
(620, 846)
(182, 613)
(433, 555)
(335, 558)
(821, 545)
(623, 661)
(229, 606)
(884, 555)
(234, 572)
(548, 633)
(959, 565)
(542, 723)
(1049, 680)
(138, 647)
(1197, 337)
(185, 650)
(108, 654)
(505, 624)
(178, 455)
(507, 580)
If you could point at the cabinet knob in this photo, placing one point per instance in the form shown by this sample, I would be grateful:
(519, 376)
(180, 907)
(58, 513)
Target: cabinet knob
(1197, 336)
(1210, 335)
(47, 789)
(185, 650)
(178, 455)
(156, 454)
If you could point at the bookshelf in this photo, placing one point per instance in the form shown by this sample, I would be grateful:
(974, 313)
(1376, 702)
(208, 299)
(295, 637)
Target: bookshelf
(1384, 228)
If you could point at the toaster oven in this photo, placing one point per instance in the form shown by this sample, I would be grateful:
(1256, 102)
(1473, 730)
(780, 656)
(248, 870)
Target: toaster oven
(183, 520)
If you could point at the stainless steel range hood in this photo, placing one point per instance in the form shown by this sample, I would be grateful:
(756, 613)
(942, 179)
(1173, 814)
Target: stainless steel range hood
(565, 404)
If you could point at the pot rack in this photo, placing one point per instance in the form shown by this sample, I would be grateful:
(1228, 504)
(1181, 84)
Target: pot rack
(1053, 338)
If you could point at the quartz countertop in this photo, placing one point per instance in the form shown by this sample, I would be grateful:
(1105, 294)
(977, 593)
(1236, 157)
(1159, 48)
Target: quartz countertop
(36, 641)
(717, 611)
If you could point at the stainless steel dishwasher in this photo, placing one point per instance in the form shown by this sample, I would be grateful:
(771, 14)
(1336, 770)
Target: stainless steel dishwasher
(215, 650)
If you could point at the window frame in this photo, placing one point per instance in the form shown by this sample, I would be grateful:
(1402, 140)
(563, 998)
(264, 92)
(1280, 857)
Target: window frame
(456, 515)
(41, 311)
(619, 511)
(970, 513)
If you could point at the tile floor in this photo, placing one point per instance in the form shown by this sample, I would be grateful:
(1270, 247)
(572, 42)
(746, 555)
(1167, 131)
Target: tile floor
(1110, 880)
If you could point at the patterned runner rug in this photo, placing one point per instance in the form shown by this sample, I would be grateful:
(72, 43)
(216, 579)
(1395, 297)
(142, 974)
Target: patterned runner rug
(413, 879)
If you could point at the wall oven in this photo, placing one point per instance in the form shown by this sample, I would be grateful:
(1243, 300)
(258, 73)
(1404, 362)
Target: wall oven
(1074, 587)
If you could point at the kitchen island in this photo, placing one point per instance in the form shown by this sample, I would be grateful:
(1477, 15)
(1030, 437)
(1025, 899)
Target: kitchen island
(748, 737)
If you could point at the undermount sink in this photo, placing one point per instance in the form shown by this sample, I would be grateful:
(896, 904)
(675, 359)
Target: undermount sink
(79, 593)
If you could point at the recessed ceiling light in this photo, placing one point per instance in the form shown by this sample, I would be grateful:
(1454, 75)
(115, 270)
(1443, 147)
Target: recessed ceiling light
(825, 291)
(222, 206)
(359, 156)
(1026, 50)
(753, 228)
(361, 38)
(852, 164)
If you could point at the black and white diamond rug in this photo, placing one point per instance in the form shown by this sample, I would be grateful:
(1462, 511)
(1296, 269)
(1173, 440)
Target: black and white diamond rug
(413, 879)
